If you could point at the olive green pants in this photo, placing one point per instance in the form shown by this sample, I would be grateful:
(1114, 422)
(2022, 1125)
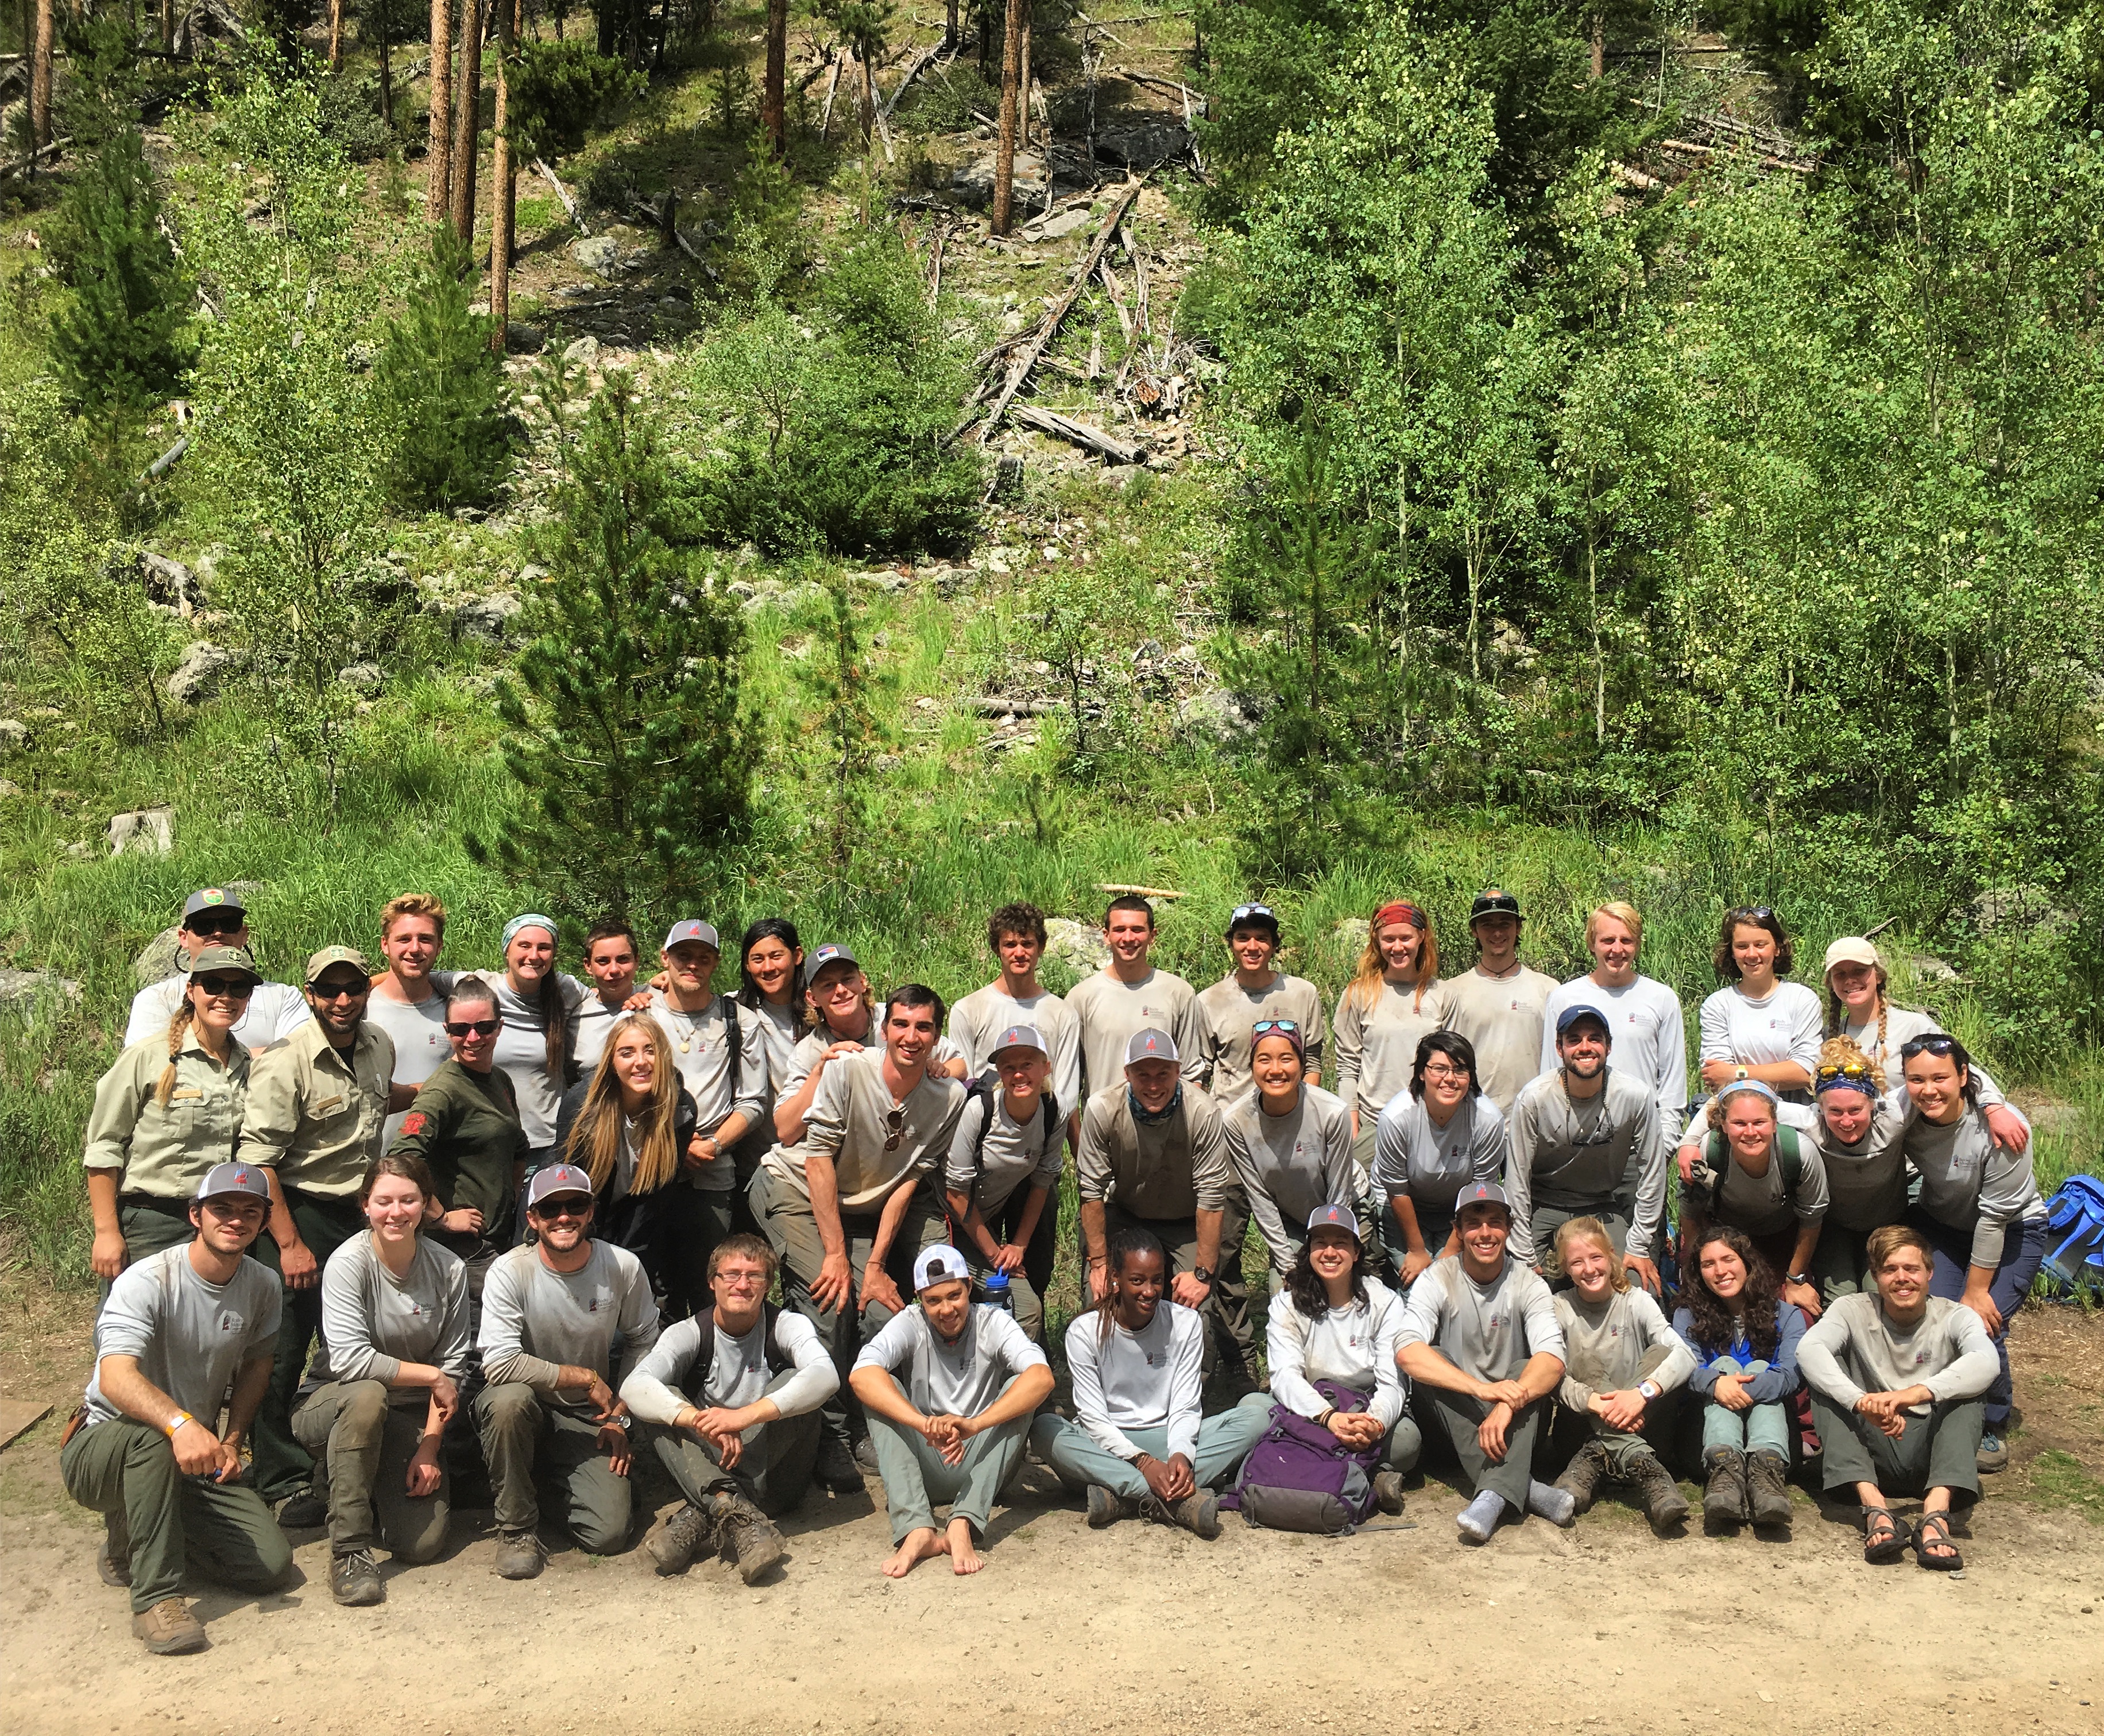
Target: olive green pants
(363, 1445)
(531, 1444)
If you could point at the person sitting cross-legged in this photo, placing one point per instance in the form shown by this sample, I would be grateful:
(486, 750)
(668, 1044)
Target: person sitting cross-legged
(1138, 1443)
(178, 1329)
(556, 1315)
(730, 1398)
(950, 1387)
(1898, 1381)
(1480, 1339)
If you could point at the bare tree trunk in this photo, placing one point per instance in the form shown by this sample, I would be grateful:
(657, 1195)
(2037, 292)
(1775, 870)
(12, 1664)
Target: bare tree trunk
(467, 117)
(336, 36)
(1022, 85)
(868, 95)
(437, 194)
(1011, 75)
(40, 76)
(502, 179)
(168, 27)
(386, 77)
(1599, 659)
(1599, 45)
(950, 25)
(773, 105)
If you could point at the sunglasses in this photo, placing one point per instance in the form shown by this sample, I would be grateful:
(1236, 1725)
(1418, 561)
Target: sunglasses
(340, 991)
(895, 1129)
(227, 988)
(1284, 1027)
(563, 1205)
(1935, 1043)
(1845, 1069)
(476, 1027)
(1751, 912)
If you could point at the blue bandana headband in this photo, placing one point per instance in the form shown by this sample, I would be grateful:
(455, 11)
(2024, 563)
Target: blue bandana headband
(529, 921)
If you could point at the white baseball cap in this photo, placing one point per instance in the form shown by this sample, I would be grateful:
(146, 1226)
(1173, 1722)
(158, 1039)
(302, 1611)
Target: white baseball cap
(938, 1264)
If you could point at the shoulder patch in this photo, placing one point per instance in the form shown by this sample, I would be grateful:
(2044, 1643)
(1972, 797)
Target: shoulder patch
(415, 1122)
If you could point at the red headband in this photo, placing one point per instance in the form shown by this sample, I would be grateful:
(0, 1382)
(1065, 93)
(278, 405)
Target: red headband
(1402, 910)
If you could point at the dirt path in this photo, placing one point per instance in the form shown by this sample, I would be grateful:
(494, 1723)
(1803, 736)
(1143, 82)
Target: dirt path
(1604, 1628)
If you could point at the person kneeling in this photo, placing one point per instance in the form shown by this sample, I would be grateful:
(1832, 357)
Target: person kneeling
(1898, 1381)
(1480, 1338)
(177, 1329)
(732, 1396)
(554, 1313)
(950, 1388)
(1620, 1359)
(1138, 1443)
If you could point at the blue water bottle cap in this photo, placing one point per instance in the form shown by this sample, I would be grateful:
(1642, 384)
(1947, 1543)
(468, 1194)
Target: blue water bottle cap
(997, 1280)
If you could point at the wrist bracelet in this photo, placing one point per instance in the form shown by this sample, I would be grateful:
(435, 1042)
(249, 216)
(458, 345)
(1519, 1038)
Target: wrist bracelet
(175, 1422)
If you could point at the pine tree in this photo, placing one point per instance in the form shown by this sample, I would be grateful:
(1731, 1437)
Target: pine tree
(443, 390)
(626, 734)
(843, 689)
(118, 339)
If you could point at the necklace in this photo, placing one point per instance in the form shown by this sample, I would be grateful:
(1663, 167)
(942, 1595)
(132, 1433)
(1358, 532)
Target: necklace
(684, 1032)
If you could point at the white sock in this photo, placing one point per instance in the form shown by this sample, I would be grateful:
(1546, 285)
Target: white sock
(1559, 1506)
(1480, 1518)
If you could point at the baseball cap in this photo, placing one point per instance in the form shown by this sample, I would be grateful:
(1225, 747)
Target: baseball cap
(1853, 948)
(234, 1179)
(1571, 1016)
(1018, 1036)
(1253, 916)
(557, 1178)
(1482, 1193)
(691, 929)
(329, 955)
(937, 1264)
(831, 953)
(1332, 1217)
(1494, 900)
(208, 959)
(1151, 1045)
(211, 898)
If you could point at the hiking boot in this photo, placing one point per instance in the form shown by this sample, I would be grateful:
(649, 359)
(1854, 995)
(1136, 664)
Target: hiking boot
(835, 1468)
(113, 1561)
(520, 1555)
(305, 1512)
(674, 1541)
(1665, 1505)
(169, 1629)
(1767, 1488)
(1387, 1491)
(744, 1535)
(1106, 1508)
(354, 1579)
(1582, 1478)
(1723, 1486)
(865, 1457)
(1199, 1514)
(1993, 1454)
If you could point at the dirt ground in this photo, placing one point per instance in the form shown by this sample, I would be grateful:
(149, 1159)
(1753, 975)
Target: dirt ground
(1601, 1628)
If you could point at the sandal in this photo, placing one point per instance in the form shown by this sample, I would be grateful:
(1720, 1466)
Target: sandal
(1885, 1538)
(1934, 1532)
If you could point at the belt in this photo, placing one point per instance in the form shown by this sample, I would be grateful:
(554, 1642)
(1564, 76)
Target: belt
(157, 1202)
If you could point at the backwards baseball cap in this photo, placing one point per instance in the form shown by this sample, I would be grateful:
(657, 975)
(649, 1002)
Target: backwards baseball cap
(557, 1178)
(1332, 1217)
(693, 929)
(208, 959)
(211, 898)
(938, 1264)
(829, 954)
(1853, 948)
(1254, 916)
(1571, 1016)
(329, 955)
(234, 1179)
(1482, 1193)
(1494, 900)
(1151, 1045)
(1019, 1036)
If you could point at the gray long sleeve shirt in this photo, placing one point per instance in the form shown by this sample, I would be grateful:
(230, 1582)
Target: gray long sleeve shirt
(537, 1320)
(1230, 1010)
(1431, 1163)
(1151, 1378)
(701, 1055)
(373, 1322)
(1291, 1164)
(944, 1379)
(1650, 1034)
(190, 1337)
(1353, 1347)
(849, 1124)
(1488, 1331)
(1110, 1011)
(1856, 1347)
(668, 1378)
(1607, 1343)
(1571, 1153)
(1968, 1178)
(992, 1155)
(984, 1013)
(1170, 1169)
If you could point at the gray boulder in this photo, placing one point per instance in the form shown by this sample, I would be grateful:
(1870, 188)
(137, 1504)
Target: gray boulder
(14, 735)
(1217, 716)
(1349, 938)
(487, 618)
(599, 253)
(35, 993)
(200, 673)
(157, 958)
(364, 680)
(145, 831)
(167, 581)
(522, 340)
(1078, 946)
(582, 352)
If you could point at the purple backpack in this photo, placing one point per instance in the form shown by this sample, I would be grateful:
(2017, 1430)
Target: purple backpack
(1300, 1477)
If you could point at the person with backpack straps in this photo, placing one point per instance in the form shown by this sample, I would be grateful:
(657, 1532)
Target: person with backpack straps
(1756, 1175)
(730, 1401)
(1002, 1174)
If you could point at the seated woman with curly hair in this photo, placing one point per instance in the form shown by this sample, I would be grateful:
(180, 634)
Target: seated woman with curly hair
(1745, 1337)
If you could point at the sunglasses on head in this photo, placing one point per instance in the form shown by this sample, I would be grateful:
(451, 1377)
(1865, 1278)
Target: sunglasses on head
(1934, 1043)
(1752, 913)
(1284, 1027)
(231, 988)
(1845, 1069)
(478, 1027)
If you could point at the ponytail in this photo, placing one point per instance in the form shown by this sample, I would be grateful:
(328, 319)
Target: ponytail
(1130, 1240)
(555, 1021)
(178, 1028)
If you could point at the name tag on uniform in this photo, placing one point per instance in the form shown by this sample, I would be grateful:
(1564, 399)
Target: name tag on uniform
(330, 1105)
(186, 1094)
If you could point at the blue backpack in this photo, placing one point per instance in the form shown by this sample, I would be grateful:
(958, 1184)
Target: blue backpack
(1300, 1477)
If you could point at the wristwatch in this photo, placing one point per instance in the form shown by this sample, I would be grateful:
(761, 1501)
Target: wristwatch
(1740, 1073)
(1800, 1277)
(1649, 1389)
(1203, 1274)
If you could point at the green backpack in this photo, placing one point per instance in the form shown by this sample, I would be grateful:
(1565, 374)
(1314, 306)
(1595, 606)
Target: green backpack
(1787, 1148)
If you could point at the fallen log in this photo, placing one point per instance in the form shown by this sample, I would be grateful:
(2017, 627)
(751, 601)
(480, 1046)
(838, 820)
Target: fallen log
(993, 706)
(562, 193)
(1079, 434)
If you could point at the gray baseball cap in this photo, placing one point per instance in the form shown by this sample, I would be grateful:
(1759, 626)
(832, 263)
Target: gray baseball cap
(1482, 1193)
(693, 929)
(211, 898)
(1018, 1036)
(1151, 1044)
(557, 1178)
(222, 1179)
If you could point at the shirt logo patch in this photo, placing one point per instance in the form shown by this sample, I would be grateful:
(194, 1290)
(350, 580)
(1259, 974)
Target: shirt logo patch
(230, 1322)
(415, 1122)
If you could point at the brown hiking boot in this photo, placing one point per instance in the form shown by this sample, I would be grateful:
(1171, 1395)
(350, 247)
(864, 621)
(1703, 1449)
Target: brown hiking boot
(744, 1535)
(520, 1555)
(1387, 1491)
(169, 1629)
(1663, 1504)
(1767, 1488)
(674, 1541)
(1582, 1478)
(1724, 1486)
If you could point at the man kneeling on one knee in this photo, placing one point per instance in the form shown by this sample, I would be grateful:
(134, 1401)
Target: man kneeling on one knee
(950, 1388)
(731, 1398)
(555, 1315)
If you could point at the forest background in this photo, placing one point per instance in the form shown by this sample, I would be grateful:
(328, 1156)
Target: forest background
(1608, 450)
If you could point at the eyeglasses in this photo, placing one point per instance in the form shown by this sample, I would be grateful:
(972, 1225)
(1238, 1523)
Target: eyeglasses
(227, 988)
(1284, 1027)
(1442, 1070)
(340, 991)
(477, 1027)
(1933, 1043)
(894, 1128)
(565, 1205)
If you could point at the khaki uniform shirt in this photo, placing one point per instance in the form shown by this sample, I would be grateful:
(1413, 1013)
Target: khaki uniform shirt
(165, 1150)
(316, 1118)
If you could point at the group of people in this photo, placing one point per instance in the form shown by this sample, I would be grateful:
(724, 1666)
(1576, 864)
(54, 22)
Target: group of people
(373, 1230)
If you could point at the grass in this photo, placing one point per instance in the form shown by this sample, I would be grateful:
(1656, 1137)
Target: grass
(2059, 1479)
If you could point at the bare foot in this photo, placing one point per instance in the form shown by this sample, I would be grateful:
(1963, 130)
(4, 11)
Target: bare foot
(963, 1559)
(923, 1545)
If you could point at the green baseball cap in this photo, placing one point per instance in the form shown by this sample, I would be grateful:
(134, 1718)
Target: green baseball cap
(329, 955)
(208, 959)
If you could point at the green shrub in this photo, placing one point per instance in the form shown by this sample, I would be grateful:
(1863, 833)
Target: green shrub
(441, 386)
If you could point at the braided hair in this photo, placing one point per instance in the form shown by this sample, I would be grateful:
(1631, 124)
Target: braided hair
(179, 1027)
(1122, 1245)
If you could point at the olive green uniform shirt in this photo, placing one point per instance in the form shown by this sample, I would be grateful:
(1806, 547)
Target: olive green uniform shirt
(315, 1115)
(165, 1148)
(466, 1126)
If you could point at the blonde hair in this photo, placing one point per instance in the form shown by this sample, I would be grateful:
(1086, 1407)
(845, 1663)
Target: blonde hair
(413, 904)
(1627, 914)
(1364, 988)
(164, 1087)
(596, 1140)
(1589, 1229)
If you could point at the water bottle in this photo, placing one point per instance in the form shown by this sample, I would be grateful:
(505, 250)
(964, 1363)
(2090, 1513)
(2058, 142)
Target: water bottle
(996, 1292)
